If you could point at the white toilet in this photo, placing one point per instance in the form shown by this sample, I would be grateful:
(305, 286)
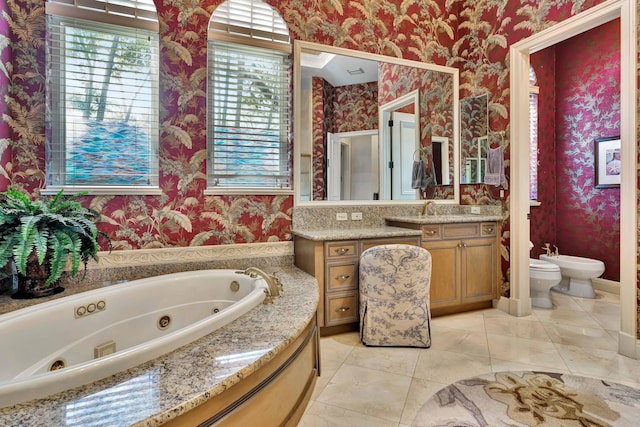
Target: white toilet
(543, 276)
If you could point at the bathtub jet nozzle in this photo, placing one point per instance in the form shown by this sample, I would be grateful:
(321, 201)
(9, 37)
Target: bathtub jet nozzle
(275, 287)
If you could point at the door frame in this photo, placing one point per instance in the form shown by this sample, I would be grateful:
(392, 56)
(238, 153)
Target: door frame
(519, 303)
(385, 134)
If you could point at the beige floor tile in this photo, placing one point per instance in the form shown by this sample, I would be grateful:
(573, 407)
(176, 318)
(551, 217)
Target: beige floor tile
(322, 415)
(521, 350)
(459, 341)
(605, 364)
(528, 327)
(419, 392)
(376, 393)
(447, 367)
(498, 365)
(580, 336)
(385, 386)
(566, 317)
(396, 360)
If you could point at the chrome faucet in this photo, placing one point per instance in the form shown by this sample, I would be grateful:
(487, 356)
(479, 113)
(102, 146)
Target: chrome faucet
(426, 209)
(274, 284)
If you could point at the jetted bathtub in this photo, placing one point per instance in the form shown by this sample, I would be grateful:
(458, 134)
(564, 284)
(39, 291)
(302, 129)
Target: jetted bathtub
(79, 339)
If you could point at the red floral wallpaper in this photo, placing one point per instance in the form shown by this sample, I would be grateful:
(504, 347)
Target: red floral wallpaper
(473, 36)
(588, 100)
(582, 87)
(355, 107)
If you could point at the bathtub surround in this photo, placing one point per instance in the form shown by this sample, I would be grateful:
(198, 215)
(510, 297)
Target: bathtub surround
(120, 266)
(166, 312)
(177, 382)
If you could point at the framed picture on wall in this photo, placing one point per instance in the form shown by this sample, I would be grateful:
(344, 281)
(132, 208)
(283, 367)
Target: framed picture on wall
(607, 162)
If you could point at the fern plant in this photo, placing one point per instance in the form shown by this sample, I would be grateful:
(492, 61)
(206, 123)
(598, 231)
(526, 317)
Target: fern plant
(49, 231)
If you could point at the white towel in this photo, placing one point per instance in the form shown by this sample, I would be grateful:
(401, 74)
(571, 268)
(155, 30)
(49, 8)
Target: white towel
(417, 174)
(494, 168)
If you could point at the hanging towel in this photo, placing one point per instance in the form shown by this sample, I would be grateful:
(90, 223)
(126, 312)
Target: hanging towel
(417, 174)
(494, 168)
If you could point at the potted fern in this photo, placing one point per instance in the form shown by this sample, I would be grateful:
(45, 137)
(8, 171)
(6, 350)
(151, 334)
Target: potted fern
(41, 236)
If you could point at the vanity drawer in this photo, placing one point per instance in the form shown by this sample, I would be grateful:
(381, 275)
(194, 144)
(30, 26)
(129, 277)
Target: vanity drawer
(370, 243)
(454, 231)
(489, 229)
(431, 232)
(341, 249)
(341, 308)
(342, 276)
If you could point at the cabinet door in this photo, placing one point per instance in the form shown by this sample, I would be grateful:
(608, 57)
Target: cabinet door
(445, 273)
(479, 265)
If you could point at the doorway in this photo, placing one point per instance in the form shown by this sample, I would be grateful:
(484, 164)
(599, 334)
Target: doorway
(519, 303)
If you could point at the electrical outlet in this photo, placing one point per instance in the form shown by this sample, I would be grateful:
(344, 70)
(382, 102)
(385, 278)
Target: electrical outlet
(341, 216)
(502, 193)
(475, 210)
(356, 216)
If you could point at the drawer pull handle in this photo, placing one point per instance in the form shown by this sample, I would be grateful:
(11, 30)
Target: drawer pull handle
(342, 309)
(488, 229)
(343, 277)
(462, 245)
(342, 251)
(430, 232)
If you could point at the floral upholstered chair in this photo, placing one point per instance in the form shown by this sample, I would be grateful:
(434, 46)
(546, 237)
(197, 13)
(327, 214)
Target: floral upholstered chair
(394, 296)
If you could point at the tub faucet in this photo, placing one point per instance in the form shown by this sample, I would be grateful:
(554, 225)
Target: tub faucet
(272, 281)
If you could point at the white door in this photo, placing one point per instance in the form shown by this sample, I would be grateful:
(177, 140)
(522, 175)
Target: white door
(403, 147)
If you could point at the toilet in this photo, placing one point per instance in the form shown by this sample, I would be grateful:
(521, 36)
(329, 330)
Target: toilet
(577, 274)
(543, 276)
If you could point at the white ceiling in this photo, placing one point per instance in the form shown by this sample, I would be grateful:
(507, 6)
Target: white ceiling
(334, 68)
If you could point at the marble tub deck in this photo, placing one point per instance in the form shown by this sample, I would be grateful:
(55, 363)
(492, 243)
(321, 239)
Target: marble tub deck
(164, 388)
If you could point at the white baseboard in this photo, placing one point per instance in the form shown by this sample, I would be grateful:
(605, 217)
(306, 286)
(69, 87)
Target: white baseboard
(606, 285)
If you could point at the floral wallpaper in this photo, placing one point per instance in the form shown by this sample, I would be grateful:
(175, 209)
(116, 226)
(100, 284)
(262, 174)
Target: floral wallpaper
(471, 35)
(588, 107)
(355, 107)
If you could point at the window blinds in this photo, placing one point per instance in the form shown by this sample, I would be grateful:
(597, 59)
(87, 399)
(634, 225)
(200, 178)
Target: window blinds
(249, 18)
(248, 104)
(102, 95)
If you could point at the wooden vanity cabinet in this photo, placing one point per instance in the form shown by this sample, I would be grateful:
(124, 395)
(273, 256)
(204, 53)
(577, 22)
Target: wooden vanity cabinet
(335, 265)
(465, 273)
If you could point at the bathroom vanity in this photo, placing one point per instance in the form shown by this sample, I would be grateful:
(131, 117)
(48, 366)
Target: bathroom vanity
(465, 253)
(333, 259)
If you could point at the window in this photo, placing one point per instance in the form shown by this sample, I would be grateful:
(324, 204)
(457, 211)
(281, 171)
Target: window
(533, 134)
(102, 96)
(249, 74)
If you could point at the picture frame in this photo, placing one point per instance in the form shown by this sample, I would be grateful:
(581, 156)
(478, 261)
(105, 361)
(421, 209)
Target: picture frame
(607, 162)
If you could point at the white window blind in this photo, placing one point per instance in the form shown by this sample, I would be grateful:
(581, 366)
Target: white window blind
(102, 97)
(533, 135)
(248, 99)
(249, 18)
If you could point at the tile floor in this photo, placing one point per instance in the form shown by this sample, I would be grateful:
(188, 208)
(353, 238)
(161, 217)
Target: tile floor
(383, 386)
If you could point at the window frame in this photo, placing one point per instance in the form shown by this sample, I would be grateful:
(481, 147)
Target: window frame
(270, 42)
(71, 16)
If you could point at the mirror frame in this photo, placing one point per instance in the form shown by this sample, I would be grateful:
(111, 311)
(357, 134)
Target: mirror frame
(298, 47)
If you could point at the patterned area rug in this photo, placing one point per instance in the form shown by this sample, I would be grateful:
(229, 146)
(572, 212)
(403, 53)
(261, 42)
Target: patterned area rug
(531, 399)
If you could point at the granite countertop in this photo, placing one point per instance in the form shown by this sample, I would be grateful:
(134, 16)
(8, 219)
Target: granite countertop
(356, 233)
(164, 388)
(445, 218)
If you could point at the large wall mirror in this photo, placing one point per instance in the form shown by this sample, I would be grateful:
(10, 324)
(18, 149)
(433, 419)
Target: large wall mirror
(371, 128)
